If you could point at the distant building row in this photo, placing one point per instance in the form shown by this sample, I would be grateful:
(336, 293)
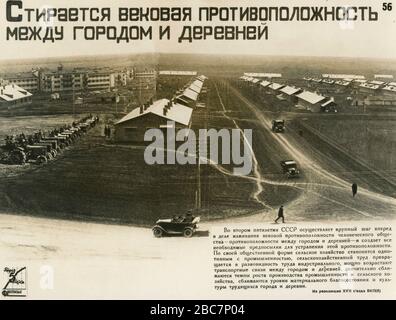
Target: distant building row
(298, 96)
(62, 80)
(360, 83)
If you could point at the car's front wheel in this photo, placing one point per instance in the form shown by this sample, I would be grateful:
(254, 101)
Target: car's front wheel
(157, 232)
(188, 232)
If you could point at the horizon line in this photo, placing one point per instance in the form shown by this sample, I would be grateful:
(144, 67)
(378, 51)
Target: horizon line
(256, 55)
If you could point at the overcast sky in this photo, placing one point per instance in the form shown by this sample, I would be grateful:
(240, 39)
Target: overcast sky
(362, 39)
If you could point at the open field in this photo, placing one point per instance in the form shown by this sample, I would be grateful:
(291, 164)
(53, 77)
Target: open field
(373, 141)
(43, 106)
(31, 124)
(101, 182)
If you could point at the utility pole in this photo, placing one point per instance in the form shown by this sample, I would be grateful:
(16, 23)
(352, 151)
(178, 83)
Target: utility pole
(140, 93)
(73, 102)
(116, 101)
(199, 192)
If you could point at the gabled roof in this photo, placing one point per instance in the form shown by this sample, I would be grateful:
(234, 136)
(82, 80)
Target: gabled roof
(360, 80)
(289, 90)
(390, 88)
(198, 83)
(310, 97)
(377, 82)
(265, 83)
(202, 78)
(329, 102)
(190, 94)
(195, 88)
(183, 101)
(343, 82)
(178, 113)
(276, 86)
(12, 92)
(370, 86)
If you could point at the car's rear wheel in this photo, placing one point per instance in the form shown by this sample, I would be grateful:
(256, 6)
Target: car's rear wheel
(157, 232)
(188, 232)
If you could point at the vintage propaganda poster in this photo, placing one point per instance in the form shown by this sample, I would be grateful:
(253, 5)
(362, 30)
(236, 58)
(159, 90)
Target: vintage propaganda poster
(197, 150)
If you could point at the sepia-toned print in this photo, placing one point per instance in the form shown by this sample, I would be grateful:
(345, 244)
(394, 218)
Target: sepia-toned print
(125, 148)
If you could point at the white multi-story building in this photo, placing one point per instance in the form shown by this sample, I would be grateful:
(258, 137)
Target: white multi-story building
(76, 80)
(27, 81)
(143, 80)
(61, 81)
(100, 81)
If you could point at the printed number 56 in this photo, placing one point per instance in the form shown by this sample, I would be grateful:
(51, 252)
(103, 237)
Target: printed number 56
(387, 6)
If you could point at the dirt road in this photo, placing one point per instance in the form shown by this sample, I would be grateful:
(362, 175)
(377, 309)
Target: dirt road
(325, 195)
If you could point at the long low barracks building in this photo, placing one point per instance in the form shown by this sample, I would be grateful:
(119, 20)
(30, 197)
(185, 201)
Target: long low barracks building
(158, 114)
(134, 125)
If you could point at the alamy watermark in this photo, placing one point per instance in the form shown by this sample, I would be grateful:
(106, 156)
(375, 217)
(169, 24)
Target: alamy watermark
(211, 146)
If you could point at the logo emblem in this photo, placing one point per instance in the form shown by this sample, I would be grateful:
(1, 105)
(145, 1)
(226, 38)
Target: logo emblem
(15, 282)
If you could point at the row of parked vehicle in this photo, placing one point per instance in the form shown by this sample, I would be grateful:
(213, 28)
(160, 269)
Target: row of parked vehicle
(40, 148)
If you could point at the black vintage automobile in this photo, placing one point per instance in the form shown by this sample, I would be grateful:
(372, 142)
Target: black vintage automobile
(289, 167)
(278, 126)
(178, 225)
